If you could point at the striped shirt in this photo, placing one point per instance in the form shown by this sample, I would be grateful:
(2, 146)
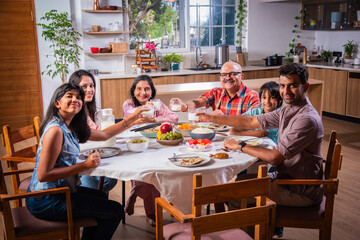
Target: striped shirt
(243, 100)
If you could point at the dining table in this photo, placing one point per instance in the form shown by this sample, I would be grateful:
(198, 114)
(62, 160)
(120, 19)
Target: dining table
(174, 182)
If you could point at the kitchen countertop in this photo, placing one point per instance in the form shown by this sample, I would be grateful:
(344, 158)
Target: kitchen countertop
(341, 66)
(179, 72)
(257, 67)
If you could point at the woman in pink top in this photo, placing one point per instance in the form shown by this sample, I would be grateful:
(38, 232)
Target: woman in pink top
(141, 92)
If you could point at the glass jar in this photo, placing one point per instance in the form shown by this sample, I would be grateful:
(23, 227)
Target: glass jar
(110, 27)
(107, 120)
(116, 26)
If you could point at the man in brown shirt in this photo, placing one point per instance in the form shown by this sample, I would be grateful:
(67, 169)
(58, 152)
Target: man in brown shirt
(297, 155)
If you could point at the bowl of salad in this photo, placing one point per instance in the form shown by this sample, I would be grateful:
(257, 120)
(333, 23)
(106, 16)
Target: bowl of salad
(199, 145)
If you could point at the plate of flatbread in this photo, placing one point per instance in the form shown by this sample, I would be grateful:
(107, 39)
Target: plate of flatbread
(190, 160)
(104, 152)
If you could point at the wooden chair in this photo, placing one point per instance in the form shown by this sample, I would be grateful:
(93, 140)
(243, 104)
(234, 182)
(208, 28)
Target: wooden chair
(19, 223)
(318, 216)
(26, 136)
(225, 224)
(146, 60)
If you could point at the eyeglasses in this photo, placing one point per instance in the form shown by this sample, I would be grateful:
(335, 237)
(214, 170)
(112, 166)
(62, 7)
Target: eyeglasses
(230, 74)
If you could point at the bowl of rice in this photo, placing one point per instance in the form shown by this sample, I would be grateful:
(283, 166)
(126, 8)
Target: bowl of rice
(202, 132)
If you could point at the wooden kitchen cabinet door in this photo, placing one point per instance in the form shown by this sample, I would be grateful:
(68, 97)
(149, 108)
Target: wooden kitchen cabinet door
(353, 95)
(335, 85)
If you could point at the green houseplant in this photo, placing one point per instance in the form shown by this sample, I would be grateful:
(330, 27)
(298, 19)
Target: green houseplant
(326, 55)
(240, 15)
(59, 31)
(349, 49)
(174, 60)
(295, 30)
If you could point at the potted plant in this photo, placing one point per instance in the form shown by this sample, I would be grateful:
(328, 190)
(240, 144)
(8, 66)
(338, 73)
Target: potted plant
(295, 31)
(174, 60)
(326, 55)
(59, 31)
(349, 49)
(240, 15)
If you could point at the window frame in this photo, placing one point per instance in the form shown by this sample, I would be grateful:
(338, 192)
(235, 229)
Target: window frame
(185, 17)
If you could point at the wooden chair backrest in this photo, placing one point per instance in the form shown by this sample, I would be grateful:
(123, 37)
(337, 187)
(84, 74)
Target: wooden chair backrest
(330, 153)
(258, 187)
(11, 137)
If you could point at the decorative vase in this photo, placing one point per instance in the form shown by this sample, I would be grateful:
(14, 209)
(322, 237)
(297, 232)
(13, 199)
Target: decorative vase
(96, 5)
(238, 49)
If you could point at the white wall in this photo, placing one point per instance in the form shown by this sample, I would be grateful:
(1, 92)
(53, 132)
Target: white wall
(334, 40)
(48, 84)
(270, 26)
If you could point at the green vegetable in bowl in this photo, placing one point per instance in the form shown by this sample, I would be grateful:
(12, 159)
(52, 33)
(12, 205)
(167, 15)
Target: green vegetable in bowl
(137, 141)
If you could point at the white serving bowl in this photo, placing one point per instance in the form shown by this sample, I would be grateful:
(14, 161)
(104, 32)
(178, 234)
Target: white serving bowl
(137, 147)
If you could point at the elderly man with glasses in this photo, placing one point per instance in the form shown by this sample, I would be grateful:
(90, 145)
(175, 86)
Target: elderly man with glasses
(234, 98)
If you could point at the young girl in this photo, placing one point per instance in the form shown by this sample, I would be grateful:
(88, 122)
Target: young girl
(141, 92)
(63, 127)
(270, 100)
(86, 80)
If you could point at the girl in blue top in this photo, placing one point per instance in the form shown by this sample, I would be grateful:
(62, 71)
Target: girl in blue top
(270, 100)
(64, 126)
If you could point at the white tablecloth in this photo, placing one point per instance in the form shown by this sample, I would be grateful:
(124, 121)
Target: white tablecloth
(173, 182)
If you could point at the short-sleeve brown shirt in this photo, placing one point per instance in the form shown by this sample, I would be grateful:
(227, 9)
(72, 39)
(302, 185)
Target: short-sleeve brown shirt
(299, 141)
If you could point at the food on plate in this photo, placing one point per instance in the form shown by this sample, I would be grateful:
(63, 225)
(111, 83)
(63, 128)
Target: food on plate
(152, 130)
(203, 142)
(253, 143)
(199, 144)
(185, 126)
(137, 141)
(169, 136)
(221, 155)
(190, 161)
(217, 126)
(165, 127)
(99, 150)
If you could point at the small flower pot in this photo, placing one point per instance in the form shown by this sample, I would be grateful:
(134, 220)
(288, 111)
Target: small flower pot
(174, 66)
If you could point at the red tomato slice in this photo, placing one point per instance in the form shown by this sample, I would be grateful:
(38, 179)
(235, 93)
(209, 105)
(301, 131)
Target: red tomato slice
(192, 141)
(205, 141)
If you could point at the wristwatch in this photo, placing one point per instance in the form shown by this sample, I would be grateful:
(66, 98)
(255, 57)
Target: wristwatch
(242, 144)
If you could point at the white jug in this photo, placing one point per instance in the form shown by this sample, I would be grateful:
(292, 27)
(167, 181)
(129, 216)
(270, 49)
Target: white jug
(107, 120)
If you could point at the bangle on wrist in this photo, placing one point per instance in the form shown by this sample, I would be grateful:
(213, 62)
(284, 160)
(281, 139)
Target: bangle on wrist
(242, 144)
(125, 123)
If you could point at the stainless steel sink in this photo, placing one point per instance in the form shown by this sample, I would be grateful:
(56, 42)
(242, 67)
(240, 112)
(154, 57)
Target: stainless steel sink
(202, 69)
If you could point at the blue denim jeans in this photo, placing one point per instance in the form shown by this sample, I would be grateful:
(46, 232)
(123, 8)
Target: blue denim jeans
(93, 182)
(86, 202)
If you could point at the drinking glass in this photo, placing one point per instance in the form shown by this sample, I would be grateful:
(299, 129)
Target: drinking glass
(149, 113)
(175, 105)
(192, 114)
(157, 104)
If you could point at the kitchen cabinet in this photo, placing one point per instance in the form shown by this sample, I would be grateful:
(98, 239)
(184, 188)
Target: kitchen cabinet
(116, 90)
(335, 88)
(353, 96)
(330, 15)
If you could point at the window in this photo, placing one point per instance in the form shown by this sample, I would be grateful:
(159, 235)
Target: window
(212, 21)
(178, 23)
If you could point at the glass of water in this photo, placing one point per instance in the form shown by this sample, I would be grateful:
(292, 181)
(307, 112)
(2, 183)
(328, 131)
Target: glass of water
(149, 113)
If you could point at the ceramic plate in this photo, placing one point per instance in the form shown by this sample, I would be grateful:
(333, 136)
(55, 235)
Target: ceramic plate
(176, 162)
(251, 141)
(219, 128)
(104, 152)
